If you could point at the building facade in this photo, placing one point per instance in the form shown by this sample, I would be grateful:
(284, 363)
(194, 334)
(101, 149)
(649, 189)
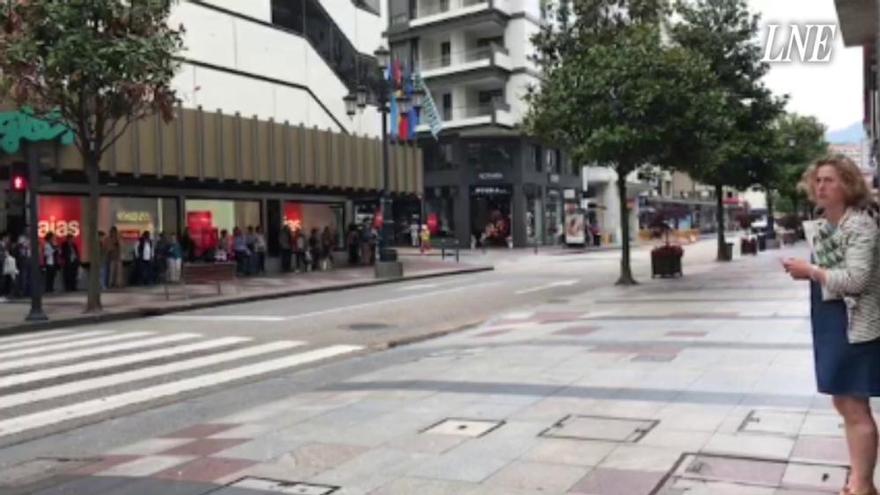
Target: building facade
(485, 180)
(261, 137)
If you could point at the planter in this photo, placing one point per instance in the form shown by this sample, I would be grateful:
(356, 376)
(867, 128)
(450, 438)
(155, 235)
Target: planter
(727, 253)
(666, 261)
(748, 246)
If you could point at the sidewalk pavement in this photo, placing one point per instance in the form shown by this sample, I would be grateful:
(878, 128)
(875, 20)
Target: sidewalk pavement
(701, 385)
(65, 309)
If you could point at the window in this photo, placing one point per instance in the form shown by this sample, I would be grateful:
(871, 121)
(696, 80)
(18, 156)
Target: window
(399, 11)
(318, 29)
(289, 14)
(489, 155)
(537, 158)
(439, 157)
(447, 106)
(374, 6)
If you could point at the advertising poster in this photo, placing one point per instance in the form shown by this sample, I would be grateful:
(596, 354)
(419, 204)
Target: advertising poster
(62, 215)
(575, 231)
(201, 230)
(293, 215)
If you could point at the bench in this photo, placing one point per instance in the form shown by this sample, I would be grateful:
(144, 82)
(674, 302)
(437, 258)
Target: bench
(206, 273)
(445, 243)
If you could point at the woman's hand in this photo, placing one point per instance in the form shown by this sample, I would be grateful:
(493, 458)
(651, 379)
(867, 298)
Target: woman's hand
(799, 269)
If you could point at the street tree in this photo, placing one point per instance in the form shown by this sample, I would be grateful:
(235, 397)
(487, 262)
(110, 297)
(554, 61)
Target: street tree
(800, 140)
(725, 33)
(614, 94)
(100, 65)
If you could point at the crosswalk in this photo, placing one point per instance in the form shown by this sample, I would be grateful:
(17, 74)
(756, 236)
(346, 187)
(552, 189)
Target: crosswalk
(55, 380)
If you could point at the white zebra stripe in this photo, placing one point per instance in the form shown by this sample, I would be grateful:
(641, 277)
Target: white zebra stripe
(112, 402)
(11, 381)
(51, 340)
(77, 387)
(77, 343)
(94, 351)
(33, 335)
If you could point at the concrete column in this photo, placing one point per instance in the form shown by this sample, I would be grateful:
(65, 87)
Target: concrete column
(462, 215)
(518, 216)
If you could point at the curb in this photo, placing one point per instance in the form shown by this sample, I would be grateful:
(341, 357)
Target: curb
(159, 311)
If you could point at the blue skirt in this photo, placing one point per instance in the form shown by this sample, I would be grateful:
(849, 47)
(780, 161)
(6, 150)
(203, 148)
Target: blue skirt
(841, 368)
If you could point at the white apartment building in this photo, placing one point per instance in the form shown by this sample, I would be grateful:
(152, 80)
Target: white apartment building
(483, 175)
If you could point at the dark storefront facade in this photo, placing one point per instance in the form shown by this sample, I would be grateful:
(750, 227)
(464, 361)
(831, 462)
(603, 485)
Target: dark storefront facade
(497, 192)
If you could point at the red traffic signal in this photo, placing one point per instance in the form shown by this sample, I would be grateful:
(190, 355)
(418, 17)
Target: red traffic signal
(19, 183)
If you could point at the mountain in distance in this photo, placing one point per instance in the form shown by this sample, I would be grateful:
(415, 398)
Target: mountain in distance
(852, 134)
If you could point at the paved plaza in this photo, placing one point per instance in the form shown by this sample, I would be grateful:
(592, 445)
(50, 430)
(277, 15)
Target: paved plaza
(700, 385)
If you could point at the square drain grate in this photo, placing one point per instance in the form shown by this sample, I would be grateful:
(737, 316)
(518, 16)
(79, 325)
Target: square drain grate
(711, 474)
(611, 429)
(464, 427)
(280, 487)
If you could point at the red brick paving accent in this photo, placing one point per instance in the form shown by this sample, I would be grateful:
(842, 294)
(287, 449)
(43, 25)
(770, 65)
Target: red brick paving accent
(205, 470)
(106, 462)
(576, 331)
(825, 449)
(201, 431)
(684, 333)
(733, 470)
(204, 446)
(604, 481)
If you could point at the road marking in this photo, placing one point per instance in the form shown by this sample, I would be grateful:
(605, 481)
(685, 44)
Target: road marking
(29, 336)
(222, 318)
(77, 387)
(93, 351)
(10, 381)
(416, 287)
(387, 301)
(553, 285)
(522, 315)
(112, 402)
(76, 343)
(52, 340)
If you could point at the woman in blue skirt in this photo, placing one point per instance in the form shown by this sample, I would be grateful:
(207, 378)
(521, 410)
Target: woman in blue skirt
(845, 310)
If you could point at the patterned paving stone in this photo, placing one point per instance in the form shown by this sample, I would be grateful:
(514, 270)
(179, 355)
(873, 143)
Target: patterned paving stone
(603, 481)
(538, 476)
(205, 446)
(821, 449)
(146, 466)
(206, 469)
(105, 463)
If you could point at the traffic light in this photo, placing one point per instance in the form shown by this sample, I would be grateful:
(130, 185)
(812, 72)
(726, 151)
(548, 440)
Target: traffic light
(18, 177)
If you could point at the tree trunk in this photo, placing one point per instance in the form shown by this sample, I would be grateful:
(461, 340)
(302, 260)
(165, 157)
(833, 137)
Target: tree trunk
(93, 303)
(719, 214)
(771, 222)
(626, 277)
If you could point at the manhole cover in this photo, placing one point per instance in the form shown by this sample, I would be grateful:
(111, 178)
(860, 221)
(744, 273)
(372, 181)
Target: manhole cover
(576, 427)
(787, 423)
(279, 486)
(463, 427)
(368, 326)
(714, 474)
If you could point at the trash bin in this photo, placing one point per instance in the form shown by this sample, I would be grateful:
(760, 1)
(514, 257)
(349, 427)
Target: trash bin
(762, 242)
(727, 252)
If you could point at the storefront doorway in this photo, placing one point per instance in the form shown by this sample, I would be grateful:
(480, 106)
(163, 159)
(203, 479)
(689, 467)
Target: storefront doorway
(490, 215)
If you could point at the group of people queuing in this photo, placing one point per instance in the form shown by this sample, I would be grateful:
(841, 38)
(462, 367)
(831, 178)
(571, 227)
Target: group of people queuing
(57, 254)
(246, 247)
(361, 241)
(152, 258)
(301, 252)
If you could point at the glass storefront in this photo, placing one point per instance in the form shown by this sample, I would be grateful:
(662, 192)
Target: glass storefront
(65, 214)
(490, 215)
(206, 218)
(308, 216)
(553, 217)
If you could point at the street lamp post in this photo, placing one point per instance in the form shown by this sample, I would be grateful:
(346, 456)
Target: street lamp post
(357, 102)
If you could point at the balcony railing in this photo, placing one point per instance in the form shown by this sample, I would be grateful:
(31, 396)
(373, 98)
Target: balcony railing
(443, 6)
(476, 55)
(474, 111)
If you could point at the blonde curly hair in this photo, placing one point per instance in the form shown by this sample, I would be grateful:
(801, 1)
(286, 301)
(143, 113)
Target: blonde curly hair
(855, 190)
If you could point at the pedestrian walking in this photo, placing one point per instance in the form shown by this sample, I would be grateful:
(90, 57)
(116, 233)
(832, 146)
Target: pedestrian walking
(314, 250)
(22, 252)
(845, 307)
(187, 246)
(414, 234)
(241, 251)
(50, 261)
(426, 240)
(285, 245)
(353, 243)
(300, 251)
(327, 244)
(70, 263)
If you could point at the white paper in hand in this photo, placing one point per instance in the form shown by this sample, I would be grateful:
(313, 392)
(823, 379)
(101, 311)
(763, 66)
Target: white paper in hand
(811, 230)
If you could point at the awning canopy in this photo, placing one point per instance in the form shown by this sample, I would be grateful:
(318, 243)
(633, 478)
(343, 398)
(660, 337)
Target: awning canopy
(858, 21)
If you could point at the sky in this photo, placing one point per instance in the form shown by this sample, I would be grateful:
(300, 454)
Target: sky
(833, 91)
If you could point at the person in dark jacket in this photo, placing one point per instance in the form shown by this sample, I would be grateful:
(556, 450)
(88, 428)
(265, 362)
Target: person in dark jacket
(70, 262)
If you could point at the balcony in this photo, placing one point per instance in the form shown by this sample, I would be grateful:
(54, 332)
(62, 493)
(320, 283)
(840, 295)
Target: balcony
(858, 21)
(477, 63)
(443, 15)
(480, 115)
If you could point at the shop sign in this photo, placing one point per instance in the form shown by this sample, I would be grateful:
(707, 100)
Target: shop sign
(490, 176)
(131, 224)
(490, 190)
(554, 178)
(569, 194)
(61, 215)
(293, 216)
